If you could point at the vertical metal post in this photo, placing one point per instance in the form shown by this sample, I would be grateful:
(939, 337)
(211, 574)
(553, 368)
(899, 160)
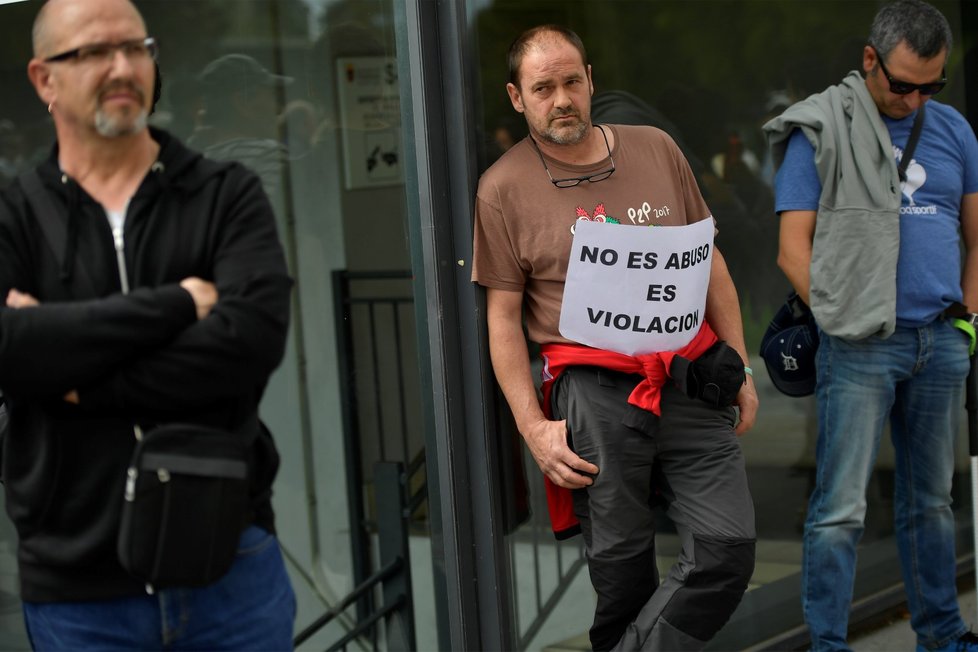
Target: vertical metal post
(359, 542)
(390, 482)
(470, 557)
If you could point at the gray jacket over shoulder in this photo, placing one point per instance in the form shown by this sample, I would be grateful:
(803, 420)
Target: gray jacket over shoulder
(857, 231)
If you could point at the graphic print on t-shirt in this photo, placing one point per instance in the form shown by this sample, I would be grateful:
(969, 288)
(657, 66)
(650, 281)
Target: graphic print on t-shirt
(600, 215)
(916, 177)
(640, 216)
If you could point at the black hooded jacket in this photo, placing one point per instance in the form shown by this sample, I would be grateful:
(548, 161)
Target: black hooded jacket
(140, 357)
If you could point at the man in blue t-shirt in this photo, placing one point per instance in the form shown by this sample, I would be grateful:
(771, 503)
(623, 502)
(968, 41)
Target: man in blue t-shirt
(876, 252)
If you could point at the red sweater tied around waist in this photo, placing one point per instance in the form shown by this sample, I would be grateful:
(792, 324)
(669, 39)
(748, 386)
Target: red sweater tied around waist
(646, 395)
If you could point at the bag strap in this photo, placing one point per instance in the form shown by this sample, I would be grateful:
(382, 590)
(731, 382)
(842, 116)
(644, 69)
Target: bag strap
(918, 125)
(55, 229)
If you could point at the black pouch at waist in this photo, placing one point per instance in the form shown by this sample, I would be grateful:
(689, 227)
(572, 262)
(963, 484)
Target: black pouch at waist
(715, 377)
(186, 503)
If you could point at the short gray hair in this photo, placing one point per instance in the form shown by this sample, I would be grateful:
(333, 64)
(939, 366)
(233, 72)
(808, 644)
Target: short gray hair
(924, 29)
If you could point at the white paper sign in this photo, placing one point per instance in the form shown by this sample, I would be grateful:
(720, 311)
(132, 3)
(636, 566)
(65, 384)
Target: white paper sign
(370, 111)
(637, 289)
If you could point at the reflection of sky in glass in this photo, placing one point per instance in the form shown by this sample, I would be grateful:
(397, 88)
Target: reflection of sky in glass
(318, 5)
(381, 20)
(317, 8)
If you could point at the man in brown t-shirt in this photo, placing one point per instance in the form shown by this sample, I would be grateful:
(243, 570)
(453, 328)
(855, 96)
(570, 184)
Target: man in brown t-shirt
(588, 436)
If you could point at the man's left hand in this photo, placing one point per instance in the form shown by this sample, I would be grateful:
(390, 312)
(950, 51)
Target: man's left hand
(747, 402)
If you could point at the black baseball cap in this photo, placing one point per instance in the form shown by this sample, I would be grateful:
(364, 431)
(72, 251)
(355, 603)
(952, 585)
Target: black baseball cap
(788, 348)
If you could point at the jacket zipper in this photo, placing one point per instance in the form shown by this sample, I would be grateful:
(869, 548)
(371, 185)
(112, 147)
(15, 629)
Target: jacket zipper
(120, 257)
(118, 239)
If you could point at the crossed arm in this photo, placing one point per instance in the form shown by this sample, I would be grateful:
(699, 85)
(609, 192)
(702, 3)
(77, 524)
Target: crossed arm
(181, 345)
(203, 293)
(51, 348)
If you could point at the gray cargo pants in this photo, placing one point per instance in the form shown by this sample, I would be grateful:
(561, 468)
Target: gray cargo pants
(688, 458)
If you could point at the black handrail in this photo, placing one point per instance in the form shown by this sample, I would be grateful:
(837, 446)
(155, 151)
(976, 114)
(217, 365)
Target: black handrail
(361, 300)
(353, 596)
(365, 626)
(394, 577)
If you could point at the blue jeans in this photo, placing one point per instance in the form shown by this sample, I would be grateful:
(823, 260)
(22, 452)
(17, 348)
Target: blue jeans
(250, 608)
(916, 377)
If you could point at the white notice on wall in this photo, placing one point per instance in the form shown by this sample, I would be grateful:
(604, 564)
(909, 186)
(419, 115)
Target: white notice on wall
(637, 289)
(370, 115)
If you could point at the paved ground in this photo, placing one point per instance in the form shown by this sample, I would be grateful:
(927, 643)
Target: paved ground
(898, 636)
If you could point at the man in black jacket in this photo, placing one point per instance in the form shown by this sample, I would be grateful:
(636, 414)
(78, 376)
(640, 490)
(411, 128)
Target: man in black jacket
(166, 300)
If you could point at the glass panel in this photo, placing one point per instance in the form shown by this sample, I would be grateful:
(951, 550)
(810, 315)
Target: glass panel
(709, 73)
(305, 93)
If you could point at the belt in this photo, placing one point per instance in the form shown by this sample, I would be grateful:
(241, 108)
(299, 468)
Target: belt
(955, 311)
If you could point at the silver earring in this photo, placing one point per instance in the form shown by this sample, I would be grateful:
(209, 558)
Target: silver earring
(50, 106)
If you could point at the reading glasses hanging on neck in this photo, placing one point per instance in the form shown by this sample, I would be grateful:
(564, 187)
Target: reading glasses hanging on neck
(570, 182)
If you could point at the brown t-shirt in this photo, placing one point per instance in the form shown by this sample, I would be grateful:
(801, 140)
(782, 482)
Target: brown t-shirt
(523, 223)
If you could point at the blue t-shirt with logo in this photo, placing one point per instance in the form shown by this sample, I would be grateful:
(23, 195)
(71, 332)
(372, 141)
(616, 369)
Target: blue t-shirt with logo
(944, 167)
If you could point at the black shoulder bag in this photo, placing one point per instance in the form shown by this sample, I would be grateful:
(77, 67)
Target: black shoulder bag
(186, 497)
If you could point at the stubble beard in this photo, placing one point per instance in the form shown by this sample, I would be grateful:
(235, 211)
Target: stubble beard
(123, 123)
(110, 126)
(570, 135)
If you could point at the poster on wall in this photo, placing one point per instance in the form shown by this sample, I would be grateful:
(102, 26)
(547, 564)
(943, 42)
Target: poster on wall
(370, 114)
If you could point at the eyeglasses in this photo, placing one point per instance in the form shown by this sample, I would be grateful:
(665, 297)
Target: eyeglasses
(570, 182)
(905, 88)
(134, 50)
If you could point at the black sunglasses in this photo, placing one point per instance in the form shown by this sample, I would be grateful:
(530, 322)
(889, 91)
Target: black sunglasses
(905, 88)
(134, 49)
(570, 182)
